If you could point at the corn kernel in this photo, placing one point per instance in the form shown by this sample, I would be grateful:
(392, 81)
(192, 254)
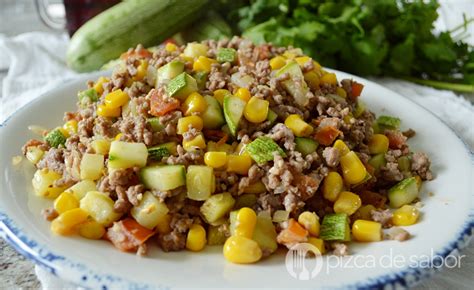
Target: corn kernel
(317, 66)
(352, 168)
(65, 201)
(118, 136)
(116, 99)
(332, 186)
(187, 58)
(241, 250)
(203, 63)
(163, 226)
(329, 78)
(407, 215)
(243, 94)
(189, 121)
(141, 70)
(194, 103)
(378, 144)
(220, 94)
(312, 79)
(101, 146)
(246, 221)
(277, 62)
(91, 230)
(341, 92)
(347, 203)
(318, 243)
(341, 146)
(256, 110)
(64, 224)
(255, 188)
(104, 111)
(215, 159)
(98, 86)
(196, 239)
(170, 47)
(71, 127)
(299, 127)
(365, 212)
(367, 231)
(239, 164)
(64, 132)
(301, 60)
(310, 221)
(197, 142)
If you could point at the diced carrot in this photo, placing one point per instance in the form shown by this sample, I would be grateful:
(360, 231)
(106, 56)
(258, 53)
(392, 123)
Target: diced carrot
(294, 233)
(160, 106)
(356, 89)
(396, 139)
(170, 40)
(326, 135)
(142, 53)
(127, 234)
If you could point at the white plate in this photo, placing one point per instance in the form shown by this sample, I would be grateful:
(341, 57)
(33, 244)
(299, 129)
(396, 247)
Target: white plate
(446, 223)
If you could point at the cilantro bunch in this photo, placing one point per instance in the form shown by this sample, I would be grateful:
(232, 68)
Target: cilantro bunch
(372, 37)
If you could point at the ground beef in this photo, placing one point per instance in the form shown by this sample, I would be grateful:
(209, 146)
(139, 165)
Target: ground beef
(34, 143)
(124, 177)
(164, 194)
(390, 171)
(421, 165)
(184, 157)
(227, 181)
(121, 205)
(398, 234)
(340, 249)
(103, 127)
(254, 175)
(191, 133)
(176, 239)
(53, 160)
(136, 129)
(49, 214)
(331, 156)
(269, 202)
(85, 127)
(281, 133)
(409, 133)
(382, 216)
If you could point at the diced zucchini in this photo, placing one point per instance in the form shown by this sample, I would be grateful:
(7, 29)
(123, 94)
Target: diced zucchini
(263, 149)
(92, 166)
(217, 206)
(127, 155)
(100, 207)
(163, 177)
(55, 138)
(226, 55)
(43, 183)
(265, 234)
(296, 86)
(281, 216)
(88, 96)
(34, 154)
(155, 124)
(305, 145)
(232, 221)
(388, 122)
(215, 236)
(158, 152)
(404, 164)
(212, 117)
(403, 192)
(181, 86)
(335, 227)
(359, 109)
(256, 188)
(195, 50)
(150, 211)
(81, 188)
(101, 146)
(246, 200)
(242, 80)
(200, 182)
(378, 161)
(169, 72)
(272, 116)
(201, 78)
(233, 111)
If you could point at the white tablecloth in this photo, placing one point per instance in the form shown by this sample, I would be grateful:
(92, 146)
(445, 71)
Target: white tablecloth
(32, 63)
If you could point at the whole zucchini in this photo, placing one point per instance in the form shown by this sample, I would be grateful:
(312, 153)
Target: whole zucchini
(127, 24)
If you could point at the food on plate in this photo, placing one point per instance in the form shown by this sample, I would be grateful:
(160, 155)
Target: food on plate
(227, 143)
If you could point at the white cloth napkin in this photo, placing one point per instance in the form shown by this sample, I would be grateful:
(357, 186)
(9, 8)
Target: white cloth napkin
(33, 63)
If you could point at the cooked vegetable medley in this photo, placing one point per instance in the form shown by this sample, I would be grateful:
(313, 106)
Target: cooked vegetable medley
(227, 143)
